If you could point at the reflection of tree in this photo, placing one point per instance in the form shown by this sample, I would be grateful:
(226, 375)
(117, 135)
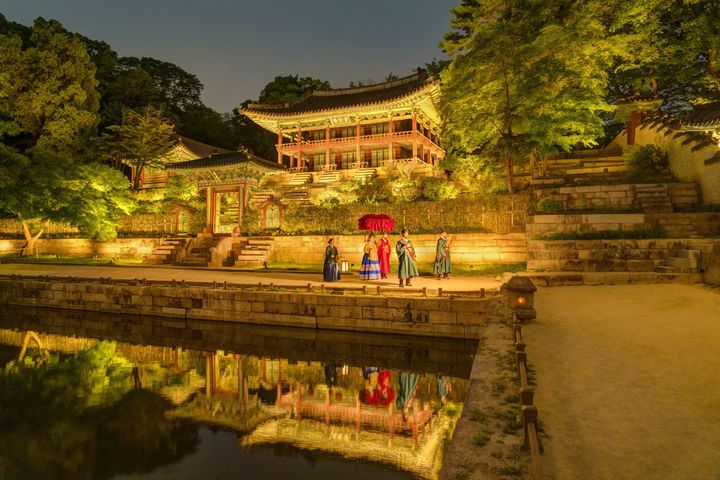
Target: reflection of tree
(76, 417)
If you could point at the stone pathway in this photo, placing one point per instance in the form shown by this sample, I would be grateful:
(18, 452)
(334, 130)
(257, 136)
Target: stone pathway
(230, 275)
(628, 381)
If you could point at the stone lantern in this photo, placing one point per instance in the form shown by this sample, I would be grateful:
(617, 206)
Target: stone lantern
(521, 297)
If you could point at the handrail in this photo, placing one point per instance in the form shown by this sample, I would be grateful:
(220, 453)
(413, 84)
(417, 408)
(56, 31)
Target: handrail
(331, 141)
(529, 412)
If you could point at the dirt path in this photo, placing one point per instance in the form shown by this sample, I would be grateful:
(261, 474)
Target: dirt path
(628, 381)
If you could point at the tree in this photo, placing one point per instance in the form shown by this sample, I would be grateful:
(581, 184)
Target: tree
(525, 77)
(143, 140)
(48, 110)
(289, 87)
(50, 88)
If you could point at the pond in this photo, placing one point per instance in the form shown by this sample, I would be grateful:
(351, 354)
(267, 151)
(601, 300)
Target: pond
(102, 396)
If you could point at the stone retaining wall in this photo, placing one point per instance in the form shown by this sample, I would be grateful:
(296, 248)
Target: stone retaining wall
(428, 354)
(613, 255)
(85, 247)
(439, 317)
(467, 248)
(621, 197)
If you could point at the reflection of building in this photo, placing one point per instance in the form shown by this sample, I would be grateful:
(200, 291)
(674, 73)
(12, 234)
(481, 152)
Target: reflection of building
(353, 128)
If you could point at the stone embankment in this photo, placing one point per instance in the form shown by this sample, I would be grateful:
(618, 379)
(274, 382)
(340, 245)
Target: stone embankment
(410, 312)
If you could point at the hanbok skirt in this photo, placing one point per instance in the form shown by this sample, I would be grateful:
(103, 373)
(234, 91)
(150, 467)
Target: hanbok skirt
(331, 272)
(369, 269)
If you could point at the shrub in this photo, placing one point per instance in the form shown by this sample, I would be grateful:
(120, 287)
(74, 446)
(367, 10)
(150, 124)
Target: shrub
(550, 205)
(646, 158)
(404, 190)
(345, 194)
(436, 189)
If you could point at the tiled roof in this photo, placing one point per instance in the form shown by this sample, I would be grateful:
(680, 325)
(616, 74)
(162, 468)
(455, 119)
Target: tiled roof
(345, 97)
(703, 117)
(223, 160)
(199, 149)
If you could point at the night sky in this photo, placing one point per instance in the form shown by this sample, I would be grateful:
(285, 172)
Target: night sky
(235, 47)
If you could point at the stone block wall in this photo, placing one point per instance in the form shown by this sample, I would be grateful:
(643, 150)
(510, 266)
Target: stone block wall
(467, 248)
(595, 222)
(687, 163)
(439, 317)
(85, 247)
(612, 255)
(621, 197)
(420, 354)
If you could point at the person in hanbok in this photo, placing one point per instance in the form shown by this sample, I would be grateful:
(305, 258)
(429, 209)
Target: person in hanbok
(370, 265)
(442, 257)
(331, 273)
(384, 255)
(407, 265)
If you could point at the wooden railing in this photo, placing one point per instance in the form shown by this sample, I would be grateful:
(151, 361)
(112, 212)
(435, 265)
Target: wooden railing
(528, 411)
(334, 142)
(268, 287)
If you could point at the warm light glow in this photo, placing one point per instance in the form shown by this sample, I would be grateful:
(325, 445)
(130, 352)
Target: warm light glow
(344, 266)
(521, 300)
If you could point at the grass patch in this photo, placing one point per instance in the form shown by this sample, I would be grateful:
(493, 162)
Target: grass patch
(300, 267)
(477, 416)
(511, 470)
(67, 260)
(605, 235)
(481, 439)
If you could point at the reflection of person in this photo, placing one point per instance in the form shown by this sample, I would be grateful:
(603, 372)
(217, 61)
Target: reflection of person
(377, 388)
(384, 255)
(330, 267)
(370, 266)
(406, 393)
(407, 267)
(444, 388)
(442, 257)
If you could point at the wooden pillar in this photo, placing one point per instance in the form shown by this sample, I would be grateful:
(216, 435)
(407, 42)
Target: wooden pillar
(414, 136)
(242, 203)
(632, 126)
(327, 145)
(390, 135)
(357, 139)
(298, 160)
(279, 147)
(209, 208)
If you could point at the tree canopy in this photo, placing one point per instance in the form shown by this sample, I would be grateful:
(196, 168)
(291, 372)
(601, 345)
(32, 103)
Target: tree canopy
(284, 88)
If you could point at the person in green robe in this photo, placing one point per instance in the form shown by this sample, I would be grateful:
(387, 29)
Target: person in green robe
(442, 257)
(407, 265)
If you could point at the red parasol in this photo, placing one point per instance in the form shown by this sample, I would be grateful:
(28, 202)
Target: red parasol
(376, 222)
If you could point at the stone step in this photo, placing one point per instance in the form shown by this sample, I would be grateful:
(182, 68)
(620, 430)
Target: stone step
(254, 253)
(243, 263)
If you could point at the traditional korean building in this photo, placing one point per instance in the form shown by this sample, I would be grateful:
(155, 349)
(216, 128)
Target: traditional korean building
(354, 128)
(225, 179)
(185, 149)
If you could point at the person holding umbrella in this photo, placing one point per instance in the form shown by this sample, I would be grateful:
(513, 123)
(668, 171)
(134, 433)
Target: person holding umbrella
(407, 265)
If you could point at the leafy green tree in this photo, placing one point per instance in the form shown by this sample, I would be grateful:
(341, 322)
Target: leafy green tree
(48, 111)
(178, 89)
(142, 141)
(50, 88)
(284, 88)
(525, 77)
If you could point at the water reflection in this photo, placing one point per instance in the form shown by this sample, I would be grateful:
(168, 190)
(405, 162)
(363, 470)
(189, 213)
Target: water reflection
(83, 407)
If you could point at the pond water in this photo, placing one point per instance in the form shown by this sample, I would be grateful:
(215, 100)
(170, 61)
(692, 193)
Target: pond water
(100, 396)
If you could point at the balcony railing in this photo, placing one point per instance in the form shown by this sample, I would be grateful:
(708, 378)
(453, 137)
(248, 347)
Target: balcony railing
(396, 136)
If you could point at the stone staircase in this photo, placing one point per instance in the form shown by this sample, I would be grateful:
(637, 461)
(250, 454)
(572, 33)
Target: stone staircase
(653, 198)
(329, 177)
(261, 196)
(677, 226)
(300, 178)
(199, 254)
(362, 175)
(253, 252)
(166, 252)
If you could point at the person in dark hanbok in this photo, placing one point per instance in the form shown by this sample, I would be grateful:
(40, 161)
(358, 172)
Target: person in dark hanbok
(331, 272)
(442, 257)
(407, 265)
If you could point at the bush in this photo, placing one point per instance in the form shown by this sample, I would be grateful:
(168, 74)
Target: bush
(345, 194)
(550, 205)
(404, 190)
(478, 174)
(436, 189)
(646, 158)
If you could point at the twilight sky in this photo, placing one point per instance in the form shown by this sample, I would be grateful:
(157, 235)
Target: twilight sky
(235, 47)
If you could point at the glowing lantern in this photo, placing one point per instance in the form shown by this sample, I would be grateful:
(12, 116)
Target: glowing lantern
(344, 266)
(520, 293)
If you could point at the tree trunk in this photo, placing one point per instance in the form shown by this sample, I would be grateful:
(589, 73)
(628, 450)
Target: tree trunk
(508, 171)
(30, 240)
(137, 177)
